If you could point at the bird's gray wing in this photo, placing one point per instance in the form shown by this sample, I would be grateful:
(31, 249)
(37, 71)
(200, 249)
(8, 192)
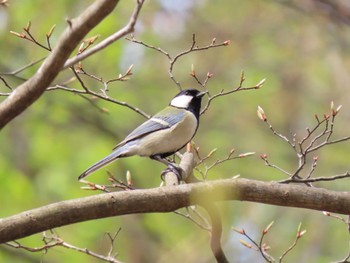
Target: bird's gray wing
(165, 119)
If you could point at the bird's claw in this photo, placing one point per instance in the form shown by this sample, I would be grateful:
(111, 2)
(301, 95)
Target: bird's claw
(172, 169)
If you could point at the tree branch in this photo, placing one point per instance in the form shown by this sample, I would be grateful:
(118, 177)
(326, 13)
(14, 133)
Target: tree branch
(187, 165)
(28, 92)
(127, 29)
(167, 199)
(216, 232)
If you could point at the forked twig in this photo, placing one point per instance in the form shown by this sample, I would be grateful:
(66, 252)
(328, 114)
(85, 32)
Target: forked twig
(53, 240)
(173, 59)
(262, 247)
(316, 138)
(103, 95)
(233, 90)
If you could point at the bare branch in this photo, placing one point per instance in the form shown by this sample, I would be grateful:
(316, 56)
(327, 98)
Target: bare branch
(53, 240)
(299, 234)
(129, 28)
(173, 59)
(230, 156)
(189, 217)
(17, 71)
(317, 179)
(121, 77)
(5, 83)
(267, 163)
(258, 246)
(112, 240)
(329, 143)
(216, 231)
(31, 90)
(262, 247)
(202, 83)
(316, 138)
(236, 89)
(28, 36)
(346, 221)
(100, 96)
(167, 199)
(28, 92)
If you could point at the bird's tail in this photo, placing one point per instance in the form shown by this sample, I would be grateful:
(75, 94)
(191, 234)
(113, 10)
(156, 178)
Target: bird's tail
(108, 159)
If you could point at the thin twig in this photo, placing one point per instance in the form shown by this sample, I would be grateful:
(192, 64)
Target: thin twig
(121, 77)
(193, 220)
(267, 163)
(258, 246)
(236, 89)
(313, 167)
(229, 157)
(346, 221)
(262, 247)
(112, 240)
(53, 240)
(328, 143)
(103, 96)
(127, 29)
(290, 248)
(6, 84)
(281, 136)
(173, 59)
(17, 71)
(116, 183)
(31, 38)
(308, 144)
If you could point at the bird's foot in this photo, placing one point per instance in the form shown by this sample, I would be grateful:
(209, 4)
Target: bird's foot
(173, 169)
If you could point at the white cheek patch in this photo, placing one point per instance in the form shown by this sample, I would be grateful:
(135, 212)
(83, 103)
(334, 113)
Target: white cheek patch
(182, 101)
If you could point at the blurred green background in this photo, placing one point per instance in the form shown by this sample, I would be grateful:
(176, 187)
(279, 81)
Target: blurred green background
(301, 48)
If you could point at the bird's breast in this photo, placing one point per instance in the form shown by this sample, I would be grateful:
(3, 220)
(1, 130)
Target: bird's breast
(170, 139)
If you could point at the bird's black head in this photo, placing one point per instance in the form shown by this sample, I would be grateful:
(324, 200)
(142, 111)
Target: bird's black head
(189, 99)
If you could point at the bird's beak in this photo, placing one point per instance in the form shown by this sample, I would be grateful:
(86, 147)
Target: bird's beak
(201, 94)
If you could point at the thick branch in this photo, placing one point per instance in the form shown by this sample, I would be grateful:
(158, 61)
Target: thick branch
(167, 199)
(28, 92)
(187, 165)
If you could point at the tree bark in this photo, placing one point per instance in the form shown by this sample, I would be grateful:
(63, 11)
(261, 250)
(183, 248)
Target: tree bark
(167, 199)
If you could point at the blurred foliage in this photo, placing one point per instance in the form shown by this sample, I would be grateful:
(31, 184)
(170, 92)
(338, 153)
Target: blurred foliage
(303, 55)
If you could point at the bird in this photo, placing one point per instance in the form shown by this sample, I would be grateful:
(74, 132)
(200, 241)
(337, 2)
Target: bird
(162, 135)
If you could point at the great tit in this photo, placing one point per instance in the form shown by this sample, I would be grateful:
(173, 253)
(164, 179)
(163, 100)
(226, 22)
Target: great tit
(162, 135)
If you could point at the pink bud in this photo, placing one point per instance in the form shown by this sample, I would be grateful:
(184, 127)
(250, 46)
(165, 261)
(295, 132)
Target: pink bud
(316, 117)
(263, 156)
(261, 114)
(326, 213)
(209, 75)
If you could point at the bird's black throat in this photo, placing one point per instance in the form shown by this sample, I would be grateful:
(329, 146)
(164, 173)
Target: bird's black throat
(195, 106)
